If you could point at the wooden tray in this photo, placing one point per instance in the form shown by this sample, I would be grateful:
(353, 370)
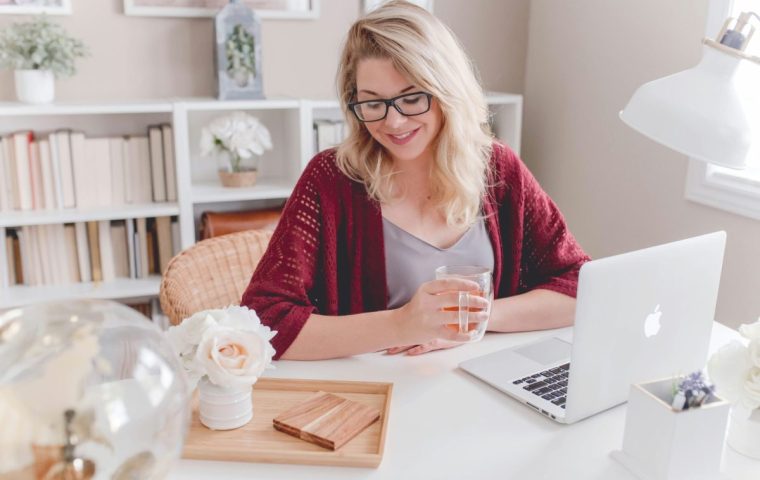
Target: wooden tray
(258, 441)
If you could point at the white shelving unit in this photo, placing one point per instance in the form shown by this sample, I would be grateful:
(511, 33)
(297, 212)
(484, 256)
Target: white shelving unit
(290, 121)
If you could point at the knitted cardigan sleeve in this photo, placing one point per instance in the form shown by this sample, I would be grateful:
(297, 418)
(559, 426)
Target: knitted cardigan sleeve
(286, 287)
(539, 242)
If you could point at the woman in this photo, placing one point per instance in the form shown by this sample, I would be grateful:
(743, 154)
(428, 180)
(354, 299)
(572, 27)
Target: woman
(418, 180)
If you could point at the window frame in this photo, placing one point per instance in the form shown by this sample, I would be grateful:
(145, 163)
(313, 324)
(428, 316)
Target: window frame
(735, 191)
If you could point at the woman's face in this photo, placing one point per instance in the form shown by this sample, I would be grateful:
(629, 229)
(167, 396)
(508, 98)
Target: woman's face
(405, 138)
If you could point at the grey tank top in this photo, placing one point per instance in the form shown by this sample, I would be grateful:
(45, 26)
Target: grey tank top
(410, 261)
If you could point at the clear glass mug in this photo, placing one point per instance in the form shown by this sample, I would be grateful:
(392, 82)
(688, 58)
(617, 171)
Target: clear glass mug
(481, 276)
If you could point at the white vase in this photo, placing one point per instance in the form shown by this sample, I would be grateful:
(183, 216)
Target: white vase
(35, 86)
(224, 408)
(744, 432)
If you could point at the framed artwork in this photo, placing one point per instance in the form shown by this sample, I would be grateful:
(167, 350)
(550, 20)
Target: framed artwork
(237, 32)
(370, 5)
(265, 9)
(35, 7)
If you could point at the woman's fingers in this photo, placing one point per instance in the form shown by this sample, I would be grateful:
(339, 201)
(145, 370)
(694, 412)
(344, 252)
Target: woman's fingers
(395, 350)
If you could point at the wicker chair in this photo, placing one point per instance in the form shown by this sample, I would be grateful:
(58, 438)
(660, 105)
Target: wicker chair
(212, 273)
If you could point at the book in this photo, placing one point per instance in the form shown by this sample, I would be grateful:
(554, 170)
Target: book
(86, 195)
(176, 243)
(72, 254)
(142, 247)
(120, 249)
(131, 249)
(94, 242)
(118, 171)
(46, 167)
(164, 241)
(139, 185)
(11, 180)
(98, 159)
(83, 252)
(170, 163)
(35, 175)
(107, 266)
(25, 255)
(156, 149)
(63, 144)
(6, 202)
(55, 163)
(21, 142)
(11, 264)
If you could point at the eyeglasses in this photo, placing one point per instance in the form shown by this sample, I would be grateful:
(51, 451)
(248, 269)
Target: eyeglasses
(409, 105)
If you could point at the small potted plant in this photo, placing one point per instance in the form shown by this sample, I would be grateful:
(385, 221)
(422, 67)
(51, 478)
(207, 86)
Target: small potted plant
(241, 62)
(38, 51)
(224, 352)
(236, 141)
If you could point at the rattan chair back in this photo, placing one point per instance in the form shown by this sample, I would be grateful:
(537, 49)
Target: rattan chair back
(212, 273)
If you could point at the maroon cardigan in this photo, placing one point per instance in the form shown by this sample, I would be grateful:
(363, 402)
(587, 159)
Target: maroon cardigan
(327, 254)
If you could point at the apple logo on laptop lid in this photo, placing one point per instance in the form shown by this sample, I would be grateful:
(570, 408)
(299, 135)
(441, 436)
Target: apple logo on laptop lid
(652, 323)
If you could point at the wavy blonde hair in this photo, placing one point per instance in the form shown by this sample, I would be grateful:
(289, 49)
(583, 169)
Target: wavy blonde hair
(424, 50)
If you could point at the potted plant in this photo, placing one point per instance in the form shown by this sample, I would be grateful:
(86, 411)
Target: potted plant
(236, 141)
(38, 51)
(241, 64)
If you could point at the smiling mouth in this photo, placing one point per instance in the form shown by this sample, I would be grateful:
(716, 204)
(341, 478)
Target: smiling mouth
(403, 138)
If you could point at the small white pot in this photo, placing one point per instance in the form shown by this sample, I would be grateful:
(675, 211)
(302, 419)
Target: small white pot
(35, 86)
(224, 408)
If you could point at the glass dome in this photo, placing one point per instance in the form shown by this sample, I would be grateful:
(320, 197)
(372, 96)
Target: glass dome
(88, 389)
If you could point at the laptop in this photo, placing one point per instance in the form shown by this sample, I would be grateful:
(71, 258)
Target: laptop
(639, 316)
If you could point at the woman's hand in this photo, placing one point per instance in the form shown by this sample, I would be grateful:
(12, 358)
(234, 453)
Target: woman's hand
(433, 312)
(436, 344)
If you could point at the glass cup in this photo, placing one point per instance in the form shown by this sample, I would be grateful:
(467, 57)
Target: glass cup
(481, 276)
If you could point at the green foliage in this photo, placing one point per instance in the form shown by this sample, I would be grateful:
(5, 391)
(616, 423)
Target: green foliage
(40, 45)
(241, 56)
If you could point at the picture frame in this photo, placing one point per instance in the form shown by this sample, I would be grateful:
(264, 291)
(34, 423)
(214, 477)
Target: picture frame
(265, 9)
(237, 53)
(35, 7)
(370, 5)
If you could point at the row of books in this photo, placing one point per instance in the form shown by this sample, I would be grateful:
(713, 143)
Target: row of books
(328, 133)
(90, 251)
(66, 169)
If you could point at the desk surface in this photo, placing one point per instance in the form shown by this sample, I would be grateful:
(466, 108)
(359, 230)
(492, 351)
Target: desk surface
(446, 424)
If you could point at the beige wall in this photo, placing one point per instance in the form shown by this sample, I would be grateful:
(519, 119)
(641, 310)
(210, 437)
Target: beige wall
(619, 190)
(147, 58)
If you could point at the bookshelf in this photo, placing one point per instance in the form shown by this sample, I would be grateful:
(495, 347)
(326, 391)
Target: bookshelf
(290, 122)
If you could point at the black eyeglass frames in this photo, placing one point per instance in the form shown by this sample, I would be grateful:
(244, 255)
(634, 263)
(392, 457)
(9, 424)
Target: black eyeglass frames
(408, 104)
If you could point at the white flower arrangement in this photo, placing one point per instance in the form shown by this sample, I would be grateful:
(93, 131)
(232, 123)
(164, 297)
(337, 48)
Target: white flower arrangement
(40, 45)
(239, 133)
(735, 369)
(229, 346)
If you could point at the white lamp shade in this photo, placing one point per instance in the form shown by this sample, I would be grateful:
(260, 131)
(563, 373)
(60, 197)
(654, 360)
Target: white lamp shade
(709, 112)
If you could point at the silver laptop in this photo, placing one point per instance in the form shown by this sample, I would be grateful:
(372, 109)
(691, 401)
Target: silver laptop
(639, 316)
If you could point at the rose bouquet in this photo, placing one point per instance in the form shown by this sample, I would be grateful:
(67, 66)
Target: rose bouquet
(230, 347)
(735, 369)
(239, 135)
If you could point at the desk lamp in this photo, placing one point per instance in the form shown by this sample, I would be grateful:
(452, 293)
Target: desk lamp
(710, 112)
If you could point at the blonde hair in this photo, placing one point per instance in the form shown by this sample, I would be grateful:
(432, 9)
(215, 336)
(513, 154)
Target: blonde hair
(424, 50)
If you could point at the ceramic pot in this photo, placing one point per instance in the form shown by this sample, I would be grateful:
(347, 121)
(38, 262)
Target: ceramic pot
(35, 86)
(224, 408)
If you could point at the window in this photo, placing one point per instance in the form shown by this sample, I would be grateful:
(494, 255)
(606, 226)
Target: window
(737, 191)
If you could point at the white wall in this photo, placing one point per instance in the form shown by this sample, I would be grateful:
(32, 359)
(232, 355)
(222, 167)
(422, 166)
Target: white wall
(618, 189)
(154, 57)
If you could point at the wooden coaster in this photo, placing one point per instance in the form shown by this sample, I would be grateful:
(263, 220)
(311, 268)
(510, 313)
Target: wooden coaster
(326, 420)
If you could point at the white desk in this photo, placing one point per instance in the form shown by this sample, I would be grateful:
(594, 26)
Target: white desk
(446, 424)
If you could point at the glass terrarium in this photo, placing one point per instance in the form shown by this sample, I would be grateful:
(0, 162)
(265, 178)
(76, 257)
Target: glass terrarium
(88, 389)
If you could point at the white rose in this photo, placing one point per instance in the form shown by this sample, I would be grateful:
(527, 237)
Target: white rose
(730, 369)
(187, 335)
(751, 330)
(232, 357)
(754, 352)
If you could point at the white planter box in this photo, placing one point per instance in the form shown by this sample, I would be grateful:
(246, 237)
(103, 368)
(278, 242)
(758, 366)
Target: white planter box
(661, 443)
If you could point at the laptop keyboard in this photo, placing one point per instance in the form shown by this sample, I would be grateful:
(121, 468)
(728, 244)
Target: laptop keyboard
(550, 384)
